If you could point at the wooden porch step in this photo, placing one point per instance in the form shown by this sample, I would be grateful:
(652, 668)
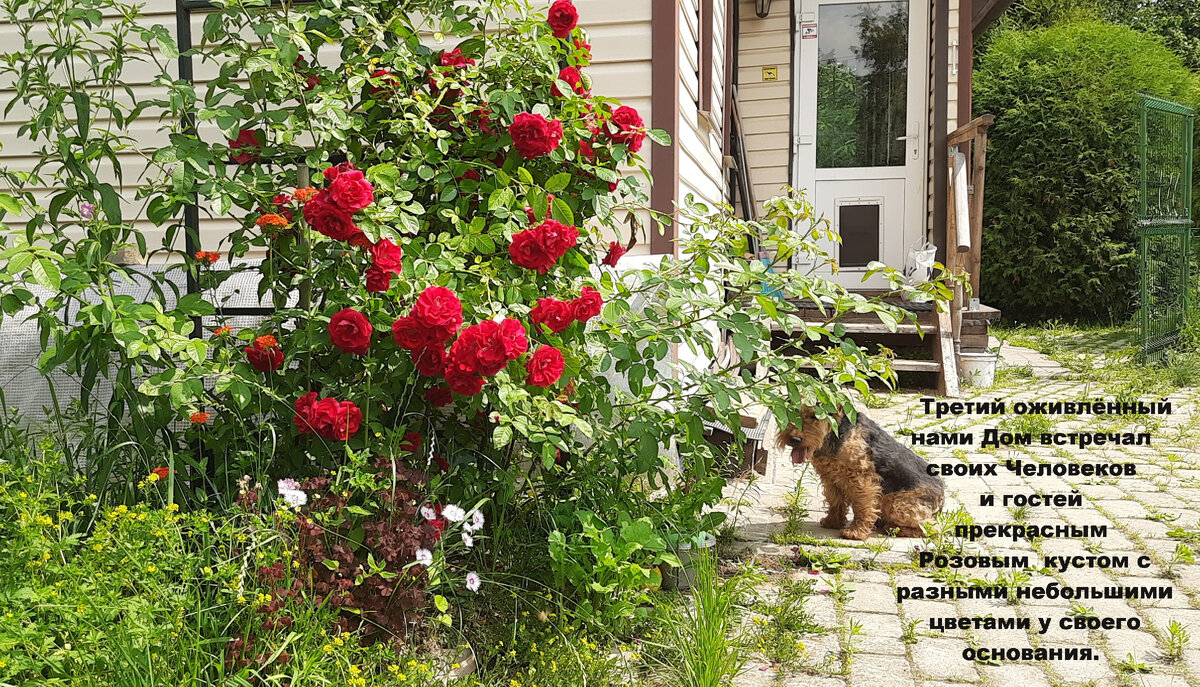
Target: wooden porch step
(905, 365)
(868, 327)
(902, 365)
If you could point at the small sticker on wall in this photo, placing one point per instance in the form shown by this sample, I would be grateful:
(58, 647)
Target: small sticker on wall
(770, 74)
(808, 30)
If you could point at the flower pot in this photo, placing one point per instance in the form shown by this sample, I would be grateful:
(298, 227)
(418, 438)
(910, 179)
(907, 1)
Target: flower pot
(689, 553)
(978, 369)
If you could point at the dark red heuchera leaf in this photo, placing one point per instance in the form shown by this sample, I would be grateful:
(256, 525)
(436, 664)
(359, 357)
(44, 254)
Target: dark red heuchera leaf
(378, 607)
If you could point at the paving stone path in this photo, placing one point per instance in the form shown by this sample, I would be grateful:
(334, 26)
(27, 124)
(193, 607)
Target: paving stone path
(873, 641)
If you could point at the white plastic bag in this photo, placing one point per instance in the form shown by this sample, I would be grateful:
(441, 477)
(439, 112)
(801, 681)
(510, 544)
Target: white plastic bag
(918, 266)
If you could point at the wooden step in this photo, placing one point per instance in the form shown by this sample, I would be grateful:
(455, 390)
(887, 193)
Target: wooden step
(877, 328)
(905, 365)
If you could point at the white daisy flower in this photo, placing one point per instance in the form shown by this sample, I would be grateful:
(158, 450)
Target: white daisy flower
(473, 582)
(425, 557)
(453, 513)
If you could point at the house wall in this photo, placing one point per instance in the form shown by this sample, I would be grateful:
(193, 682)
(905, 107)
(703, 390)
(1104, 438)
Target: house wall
(701, 168)
(620, 34)
(766, 106)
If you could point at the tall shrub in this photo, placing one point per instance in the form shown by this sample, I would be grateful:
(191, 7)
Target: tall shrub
(1061, 186)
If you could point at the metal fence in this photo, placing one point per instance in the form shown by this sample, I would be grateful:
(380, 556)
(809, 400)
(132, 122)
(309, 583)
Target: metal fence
(1164, 223)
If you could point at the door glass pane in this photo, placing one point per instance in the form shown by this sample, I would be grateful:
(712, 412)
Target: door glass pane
(862, 84)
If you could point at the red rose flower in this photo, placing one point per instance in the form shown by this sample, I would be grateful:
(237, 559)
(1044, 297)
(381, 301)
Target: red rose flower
(411, 335)
(545, 367)
(573, 78)
(455, 58)
(331, 173)
(534, 135)
(266, 358)
(430, 361)
(584, 47)
(387, 256)
(281, 201)
(512, 335)
(351, 191)
(327, 218)
(439, 396)
(615, 251)
(346, 421)
(588, 305)
(538, 248)
(527, 250)
(464, 383)
(558, 238)
(411, 442)
(327, 417)
(388, 83)
(555, 314)
(378, 281)
(631, 130)
(350, 331)
(438, 310)
(250, 139)
(562, 18)
(479, 349)
(303, 406)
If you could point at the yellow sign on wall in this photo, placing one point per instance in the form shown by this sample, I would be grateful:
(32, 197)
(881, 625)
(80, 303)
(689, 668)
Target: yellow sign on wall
(770, 74)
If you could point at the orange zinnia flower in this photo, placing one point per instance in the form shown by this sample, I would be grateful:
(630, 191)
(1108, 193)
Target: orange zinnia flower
(199, 418)
(266, 341)
(303, 194)
(222, 330)
(271, 220)
(207, 256)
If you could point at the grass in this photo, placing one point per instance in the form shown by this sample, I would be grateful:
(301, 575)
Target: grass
(704, 645)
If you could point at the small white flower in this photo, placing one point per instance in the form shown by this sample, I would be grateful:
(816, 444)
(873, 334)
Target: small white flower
(453, 513)
(468, 540)
(425, 557)
(428, 512)
(476, 520)
(294, 497)
(473, 582)
(288, 484)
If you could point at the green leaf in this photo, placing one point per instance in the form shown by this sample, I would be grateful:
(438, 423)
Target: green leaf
(440, 603)
(196, 349)
(45, 273)
(560, 211)
(110, 202)
(659, 136)
(83, 107)
(9, 204)
(502, 436)
(194, 304)
(331, 564)
(558, 182)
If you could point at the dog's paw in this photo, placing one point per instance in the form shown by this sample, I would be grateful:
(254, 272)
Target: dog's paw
(833, 522)
(857, 534)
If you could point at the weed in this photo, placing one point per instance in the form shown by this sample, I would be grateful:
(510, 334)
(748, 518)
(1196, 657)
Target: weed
(1175, 641)
(1132, 665)
(909, 634)
(783, 621)
(1183, 554)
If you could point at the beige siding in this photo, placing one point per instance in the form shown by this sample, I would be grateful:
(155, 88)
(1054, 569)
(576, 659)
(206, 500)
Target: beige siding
(619, 31)
(699, 133)
(766, 105)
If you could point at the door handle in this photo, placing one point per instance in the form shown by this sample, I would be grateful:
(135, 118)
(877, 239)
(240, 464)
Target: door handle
(912, 137)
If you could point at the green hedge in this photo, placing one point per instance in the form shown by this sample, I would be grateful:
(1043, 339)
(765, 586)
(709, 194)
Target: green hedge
(1062, 165)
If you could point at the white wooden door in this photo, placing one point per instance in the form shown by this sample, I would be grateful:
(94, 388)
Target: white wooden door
(862, 123)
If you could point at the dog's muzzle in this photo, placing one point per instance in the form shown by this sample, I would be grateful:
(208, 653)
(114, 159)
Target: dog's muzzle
(800, 453)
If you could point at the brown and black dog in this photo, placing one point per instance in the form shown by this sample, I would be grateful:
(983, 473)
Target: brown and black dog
(862, 467)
